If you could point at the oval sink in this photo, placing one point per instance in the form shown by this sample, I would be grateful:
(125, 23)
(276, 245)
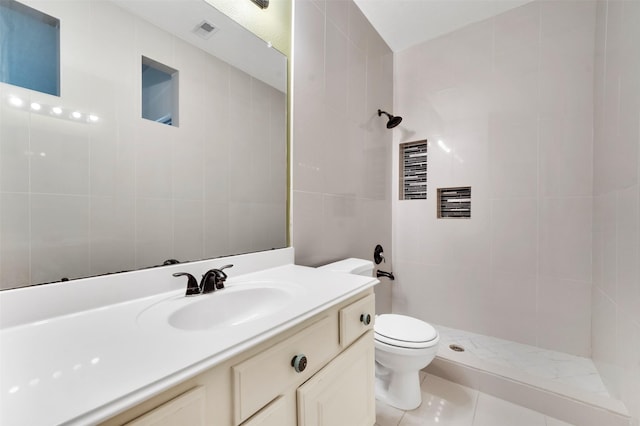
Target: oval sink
(230, 306)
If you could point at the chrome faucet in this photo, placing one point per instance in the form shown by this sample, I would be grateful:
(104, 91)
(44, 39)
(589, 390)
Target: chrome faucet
(212, 280)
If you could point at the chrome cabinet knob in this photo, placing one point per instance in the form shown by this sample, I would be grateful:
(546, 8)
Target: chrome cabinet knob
(299, 363)
(365, 319)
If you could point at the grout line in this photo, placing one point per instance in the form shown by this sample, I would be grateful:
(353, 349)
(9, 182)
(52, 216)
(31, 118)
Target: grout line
(475, 407)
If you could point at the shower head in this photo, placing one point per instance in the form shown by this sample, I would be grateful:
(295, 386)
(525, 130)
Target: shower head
(393, 120)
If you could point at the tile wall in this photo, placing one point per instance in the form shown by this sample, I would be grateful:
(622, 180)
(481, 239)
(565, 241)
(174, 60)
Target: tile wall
(507, 106)
(616, 211)
(341, 153)
(80, 199)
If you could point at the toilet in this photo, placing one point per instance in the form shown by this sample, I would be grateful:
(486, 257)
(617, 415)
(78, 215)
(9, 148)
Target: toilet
(403, 346)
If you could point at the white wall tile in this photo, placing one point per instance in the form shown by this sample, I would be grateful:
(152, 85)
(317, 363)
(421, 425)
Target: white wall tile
(14, 226)
(154, 231)
(628, 253)
(565, 238)
(566, 155)
(604, 340)
(336, 66)
(513, 148)
(188, 223)
(14, 132)
(514, 233)
(341, 150)
(310, 49)
(60, 149)
(112, 228)
(517, 123)
(308, 232)
(216, 229)
(560, 328)
(59, 237)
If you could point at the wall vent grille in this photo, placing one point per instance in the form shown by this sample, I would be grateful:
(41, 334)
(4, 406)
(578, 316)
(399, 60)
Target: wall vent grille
(454, 203)
(413, 170)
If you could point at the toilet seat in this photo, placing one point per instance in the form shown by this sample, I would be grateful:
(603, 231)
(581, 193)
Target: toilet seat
(404, 332)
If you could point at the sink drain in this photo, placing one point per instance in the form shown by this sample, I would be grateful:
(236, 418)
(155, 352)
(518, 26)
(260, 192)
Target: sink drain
(456, 348)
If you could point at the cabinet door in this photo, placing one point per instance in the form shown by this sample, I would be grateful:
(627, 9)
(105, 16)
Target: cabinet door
(342, 393)
(281, 412)
(269, 374)
(186, 409)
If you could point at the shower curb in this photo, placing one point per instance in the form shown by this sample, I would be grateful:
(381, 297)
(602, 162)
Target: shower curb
(520, 388)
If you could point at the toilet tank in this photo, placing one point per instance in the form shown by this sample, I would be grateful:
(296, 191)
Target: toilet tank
(351, 266)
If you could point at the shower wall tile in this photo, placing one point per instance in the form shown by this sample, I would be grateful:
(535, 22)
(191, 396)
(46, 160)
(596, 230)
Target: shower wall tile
(341, 153)
(517, 128)
(616, 301)
(566, 156)
(509, 306)
(514, 232)
(566, 330)
(336, 80)
(565, 238)
(513, 162)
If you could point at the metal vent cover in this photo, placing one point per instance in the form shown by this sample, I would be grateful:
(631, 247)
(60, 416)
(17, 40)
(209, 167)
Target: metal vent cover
(454, 203)
(205, 30)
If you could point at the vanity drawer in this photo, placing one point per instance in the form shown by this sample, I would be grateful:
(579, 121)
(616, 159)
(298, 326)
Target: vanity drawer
(356, 319)
(260, 379)
(186, 409)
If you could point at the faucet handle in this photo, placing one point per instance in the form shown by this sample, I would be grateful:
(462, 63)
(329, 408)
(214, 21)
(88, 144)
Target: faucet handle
(220, 277)
(192, 284)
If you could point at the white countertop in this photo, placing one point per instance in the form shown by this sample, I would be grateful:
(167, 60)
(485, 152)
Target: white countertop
(88, 365)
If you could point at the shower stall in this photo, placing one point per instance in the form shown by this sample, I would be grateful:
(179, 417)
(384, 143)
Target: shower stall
(538, 111)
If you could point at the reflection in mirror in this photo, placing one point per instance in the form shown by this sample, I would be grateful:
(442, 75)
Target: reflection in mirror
(159, 92)
(88, 187)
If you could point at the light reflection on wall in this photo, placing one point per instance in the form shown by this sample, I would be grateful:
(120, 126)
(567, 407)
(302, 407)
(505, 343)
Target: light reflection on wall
(56, 111)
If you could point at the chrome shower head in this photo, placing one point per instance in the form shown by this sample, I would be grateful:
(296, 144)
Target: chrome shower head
(393, 120)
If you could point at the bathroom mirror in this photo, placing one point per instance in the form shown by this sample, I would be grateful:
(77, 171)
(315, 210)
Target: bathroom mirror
(88, 187)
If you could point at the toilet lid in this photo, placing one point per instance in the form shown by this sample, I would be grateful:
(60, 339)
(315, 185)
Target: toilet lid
(404, 331)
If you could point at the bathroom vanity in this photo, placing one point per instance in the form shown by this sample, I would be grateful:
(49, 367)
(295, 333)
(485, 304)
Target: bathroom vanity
(300, 354)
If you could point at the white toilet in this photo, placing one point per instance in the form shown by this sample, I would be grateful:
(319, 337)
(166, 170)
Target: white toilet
(403, 345)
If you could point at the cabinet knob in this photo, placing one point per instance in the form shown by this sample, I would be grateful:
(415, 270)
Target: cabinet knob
(365, 319)
(299, 363)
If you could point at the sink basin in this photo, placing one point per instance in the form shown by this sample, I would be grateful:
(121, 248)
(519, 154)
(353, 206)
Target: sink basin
(231, 306)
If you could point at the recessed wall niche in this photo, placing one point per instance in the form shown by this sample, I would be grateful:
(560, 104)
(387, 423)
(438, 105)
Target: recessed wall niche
(159, 92)
(413, 170)
(30, 48)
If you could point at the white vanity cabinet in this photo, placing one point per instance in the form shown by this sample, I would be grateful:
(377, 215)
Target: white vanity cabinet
(333, 376)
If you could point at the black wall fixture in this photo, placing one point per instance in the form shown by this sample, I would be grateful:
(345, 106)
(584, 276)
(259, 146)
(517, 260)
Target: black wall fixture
(377, 254)
(262, 4)
(394, 120)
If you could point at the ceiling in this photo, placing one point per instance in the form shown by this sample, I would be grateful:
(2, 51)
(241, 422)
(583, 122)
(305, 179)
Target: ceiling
(405, 23)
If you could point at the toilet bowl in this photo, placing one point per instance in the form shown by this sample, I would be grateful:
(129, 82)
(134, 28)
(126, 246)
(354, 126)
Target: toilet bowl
(403, 346)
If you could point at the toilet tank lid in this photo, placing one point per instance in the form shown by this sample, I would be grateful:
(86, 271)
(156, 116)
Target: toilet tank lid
(350, 266)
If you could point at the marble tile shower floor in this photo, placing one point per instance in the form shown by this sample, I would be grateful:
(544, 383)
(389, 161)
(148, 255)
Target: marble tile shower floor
(445, 403)
(557, 367)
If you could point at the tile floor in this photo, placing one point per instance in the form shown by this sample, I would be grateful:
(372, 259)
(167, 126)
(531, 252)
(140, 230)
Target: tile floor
(445, 403)
(555, 366)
